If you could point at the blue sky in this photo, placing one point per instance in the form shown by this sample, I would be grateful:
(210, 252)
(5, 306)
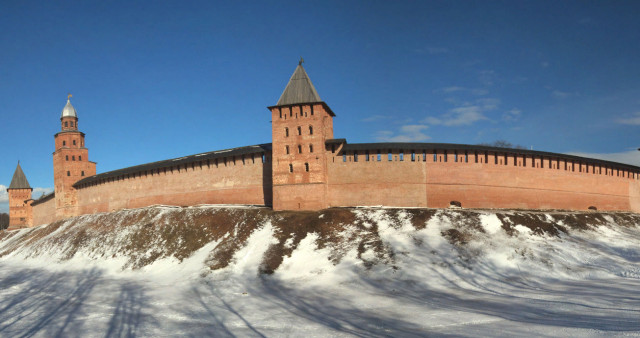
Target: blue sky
(156, 80)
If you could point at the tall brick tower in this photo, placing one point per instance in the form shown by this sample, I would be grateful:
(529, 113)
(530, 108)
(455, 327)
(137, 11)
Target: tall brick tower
(301, 123)
(70, 162)
(19, 191)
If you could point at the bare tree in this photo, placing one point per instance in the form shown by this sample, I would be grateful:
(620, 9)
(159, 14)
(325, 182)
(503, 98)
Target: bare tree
(503, 144)
(4, 221)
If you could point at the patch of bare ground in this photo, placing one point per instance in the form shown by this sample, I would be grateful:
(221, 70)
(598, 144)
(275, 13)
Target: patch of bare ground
(538, 223)
(142, 236)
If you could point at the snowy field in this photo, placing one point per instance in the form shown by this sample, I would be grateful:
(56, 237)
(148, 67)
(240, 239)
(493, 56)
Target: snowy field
(421, 283)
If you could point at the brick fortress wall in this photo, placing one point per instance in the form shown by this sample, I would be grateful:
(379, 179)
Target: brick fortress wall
(222, 180)
(415, 178)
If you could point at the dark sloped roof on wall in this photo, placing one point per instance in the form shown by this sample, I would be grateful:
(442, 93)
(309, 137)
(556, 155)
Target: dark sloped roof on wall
(299, 89)
(44, 198)
(19, 180)
(257, 149)
(468, 147)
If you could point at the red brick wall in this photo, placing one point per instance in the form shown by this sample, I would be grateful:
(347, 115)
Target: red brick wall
(531, 185)
(70, 164)
(230, 183)
(45, 212)
(293, 186)
(20, 213)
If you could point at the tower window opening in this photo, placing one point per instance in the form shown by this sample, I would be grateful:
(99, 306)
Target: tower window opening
(79, 158)
(424, 156)
(74, 142)
(455, 156)
(66, 124)
(445, 156)
(68, 173)
(476, 155)
(390, 156)
(311, 110)
(413, 156)
(311, 148)
(286, 132)
(355, 156)
(466, 157)
(280, 113)
(299, 149)
(82, 173)
(290, 112)
(73, 158)
(287, 149)
(367, 156)
(71, 123)
(505, 159)
(290, 167)
(64, 143)
(310, 130)
(66, 157)
(306, 167)
(299, 130)
(435, 156)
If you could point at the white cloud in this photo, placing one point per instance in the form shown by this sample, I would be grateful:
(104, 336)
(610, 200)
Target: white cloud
(407, 133)
(631, 157)
(437, 50)
(511, 115)
(38, 192)
(634, 120)
(4, 197)
(466, 114)
(374, 118)
(560, 95)
(454, 89)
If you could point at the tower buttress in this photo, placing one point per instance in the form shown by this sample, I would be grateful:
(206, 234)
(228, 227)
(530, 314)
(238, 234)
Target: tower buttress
(301, 124)
(19, 191)
(70, 162)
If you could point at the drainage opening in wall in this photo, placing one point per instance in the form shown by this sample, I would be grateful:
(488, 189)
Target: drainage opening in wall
(592, 208)
(455, 204)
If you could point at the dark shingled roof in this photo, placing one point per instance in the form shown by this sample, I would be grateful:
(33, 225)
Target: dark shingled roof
(44, 198)
(468, 147)
(19, 180)
(257, 149)
(299, 89)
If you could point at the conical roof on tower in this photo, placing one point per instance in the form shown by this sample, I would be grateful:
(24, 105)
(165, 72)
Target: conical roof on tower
(299, 89)
(68, 109)
(19, 180)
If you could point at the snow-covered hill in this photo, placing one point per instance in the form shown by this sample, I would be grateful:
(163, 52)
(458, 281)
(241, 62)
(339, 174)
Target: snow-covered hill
(248, 271)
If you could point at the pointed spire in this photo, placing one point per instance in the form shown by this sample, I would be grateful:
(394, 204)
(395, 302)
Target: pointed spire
(299, 89)
(68, 109)
(19, 180)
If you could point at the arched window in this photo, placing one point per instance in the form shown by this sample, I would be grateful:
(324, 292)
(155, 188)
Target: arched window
(79, 158)
(66, 123)
(64, 143)
(66, 158)
(71, 124)
(74, 142)
(310, 130)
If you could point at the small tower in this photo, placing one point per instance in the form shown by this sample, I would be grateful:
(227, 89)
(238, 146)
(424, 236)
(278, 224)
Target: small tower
(301, 124)
(19, 191)
(70, 162)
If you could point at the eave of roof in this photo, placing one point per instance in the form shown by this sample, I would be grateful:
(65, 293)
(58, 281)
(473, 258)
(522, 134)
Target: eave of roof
(256, 149)
(43, 198)
(452, 146)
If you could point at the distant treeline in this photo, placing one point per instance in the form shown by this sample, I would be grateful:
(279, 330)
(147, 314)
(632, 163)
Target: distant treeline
(4, 221)
(503, 144)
